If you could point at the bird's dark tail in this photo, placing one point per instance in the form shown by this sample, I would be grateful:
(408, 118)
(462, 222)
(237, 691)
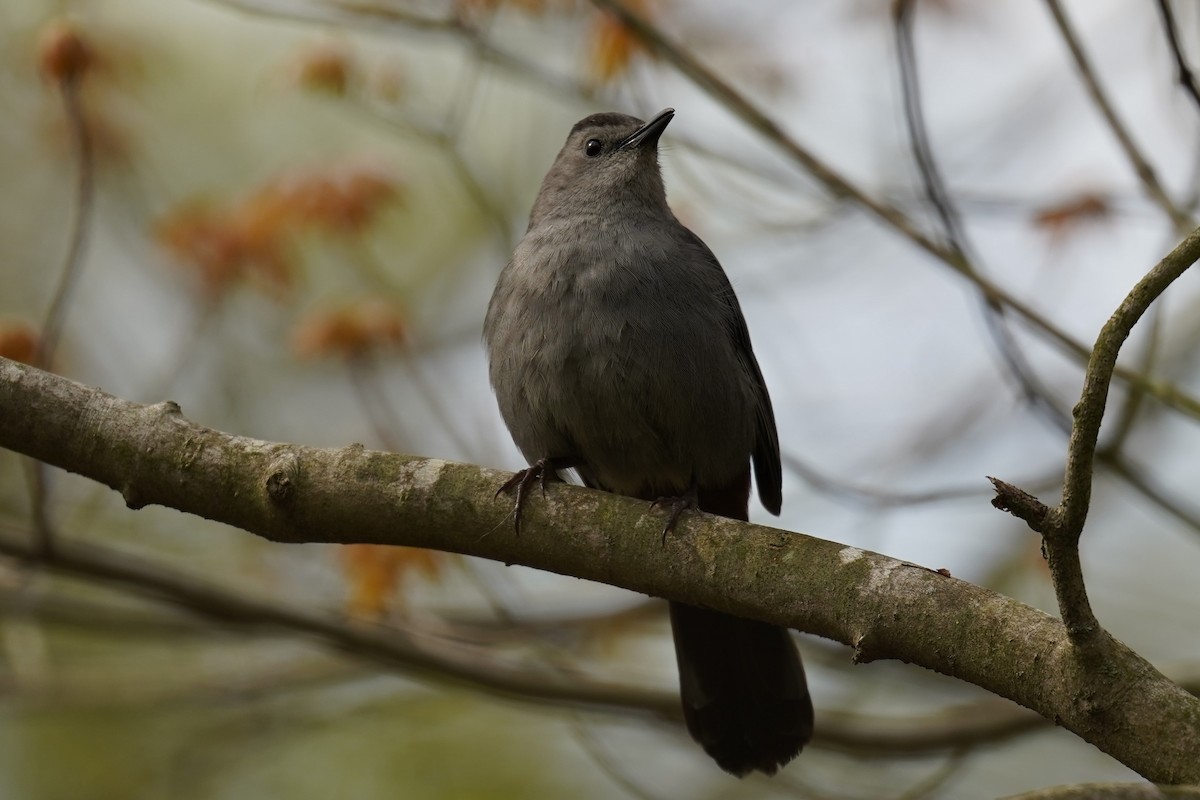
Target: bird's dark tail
(745, 698)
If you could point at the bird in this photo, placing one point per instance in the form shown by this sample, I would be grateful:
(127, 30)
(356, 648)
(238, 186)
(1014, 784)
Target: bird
(617, 347)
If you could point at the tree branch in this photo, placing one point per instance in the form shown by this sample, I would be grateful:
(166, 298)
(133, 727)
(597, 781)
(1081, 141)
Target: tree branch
(1146, 174)
(995, 312)
(458, 660)
(1183, 73)
(1062, 526)
(1112, 791)
(882, 607)
(429, 656)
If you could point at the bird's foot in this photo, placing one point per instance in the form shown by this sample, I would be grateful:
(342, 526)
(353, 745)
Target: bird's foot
(542, 472)
(688, 501)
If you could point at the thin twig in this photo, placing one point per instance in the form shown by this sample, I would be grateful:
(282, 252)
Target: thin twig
(1183, 73)
(904, 17)
(714, 85)
(381, 411)
(931, 783)
(340, 13)
(446, 143)
(873, 497)
(1065, 524)
(607, 762)
(1062, 526)
(1134, 402)
(391, 18)
(81, 141)
(385, 423)
(1077, 483)
(56, 312)
(1146, 174)
(435, 401)
(39, 504)
(444, 660)
(1120, 466)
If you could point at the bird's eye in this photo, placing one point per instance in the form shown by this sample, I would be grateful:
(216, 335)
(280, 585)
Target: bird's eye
(593, 147)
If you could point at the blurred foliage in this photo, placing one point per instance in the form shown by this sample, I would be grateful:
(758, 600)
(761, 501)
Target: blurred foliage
(290, 214)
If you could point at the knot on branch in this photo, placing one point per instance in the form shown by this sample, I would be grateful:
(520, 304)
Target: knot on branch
(132, 497)
(168, 408)
(281, 478)
(1020, 503)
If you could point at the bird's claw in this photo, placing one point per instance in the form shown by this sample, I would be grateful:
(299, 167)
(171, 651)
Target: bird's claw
(543, 471)
(688, 501)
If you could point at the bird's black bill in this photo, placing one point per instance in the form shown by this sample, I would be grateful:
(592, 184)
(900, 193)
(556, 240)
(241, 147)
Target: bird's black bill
(649, 133)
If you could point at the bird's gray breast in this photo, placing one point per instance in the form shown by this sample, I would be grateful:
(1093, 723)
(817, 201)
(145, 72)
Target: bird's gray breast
(621, 356)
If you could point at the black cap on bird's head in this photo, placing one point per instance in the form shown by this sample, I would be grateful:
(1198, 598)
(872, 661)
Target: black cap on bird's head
(604, 154)
(606, 131)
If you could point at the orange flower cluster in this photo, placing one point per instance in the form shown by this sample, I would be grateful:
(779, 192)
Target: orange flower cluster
(535, 7)
(1061, 218)
(226, 245)
(254, 237)
(350, 331)
(325, 68)
(342, 200)
(18, 341)
(376, 573)
(64, 58)
(63, 55)
(613, 44)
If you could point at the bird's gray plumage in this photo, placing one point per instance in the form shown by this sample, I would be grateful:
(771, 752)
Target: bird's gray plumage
(616, 344)
(614, 334)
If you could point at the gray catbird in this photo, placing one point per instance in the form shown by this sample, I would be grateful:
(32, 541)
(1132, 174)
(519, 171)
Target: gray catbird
(617, 347)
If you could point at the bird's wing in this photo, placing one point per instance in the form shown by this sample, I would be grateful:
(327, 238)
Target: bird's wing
(768, 472)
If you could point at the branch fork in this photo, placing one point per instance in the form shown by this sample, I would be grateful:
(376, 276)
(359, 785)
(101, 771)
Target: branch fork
(1061, 527)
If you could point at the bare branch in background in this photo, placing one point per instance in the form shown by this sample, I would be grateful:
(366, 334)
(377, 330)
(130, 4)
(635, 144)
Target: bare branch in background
(994, 311)
(1183, 73)
(377, 17)
(431, 654)
(1134, 477)
(875, 497)
(66, 58)
(1180, 219)
(447, 142)
(1111, 791)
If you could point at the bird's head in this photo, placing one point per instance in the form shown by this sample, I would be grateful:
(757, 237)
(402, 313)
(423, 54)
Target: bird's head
(609, 159)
